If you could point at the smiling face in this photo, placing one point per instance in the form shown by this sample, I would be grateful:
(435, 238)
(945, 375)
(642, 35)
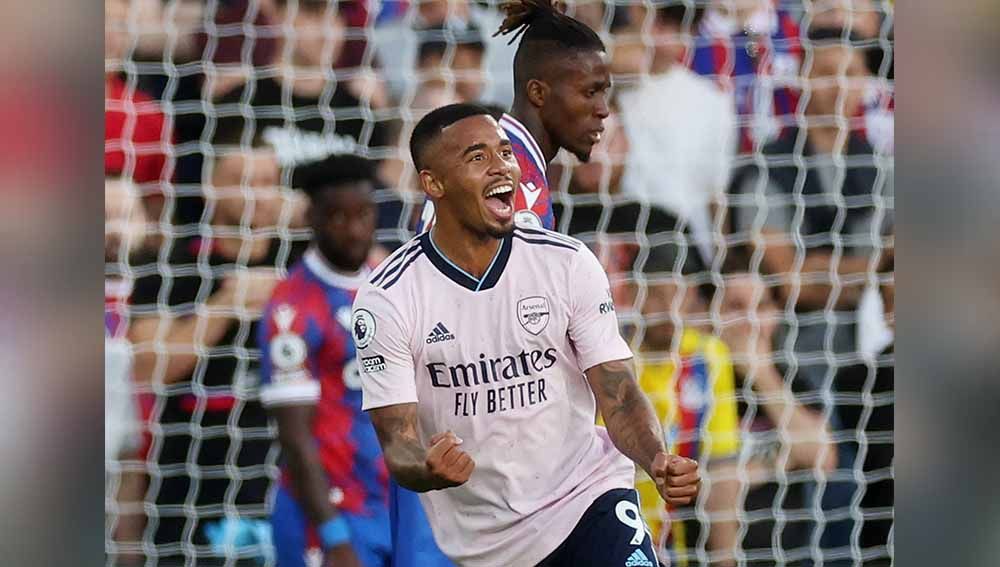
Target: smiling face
(471, 173)
(576, 103)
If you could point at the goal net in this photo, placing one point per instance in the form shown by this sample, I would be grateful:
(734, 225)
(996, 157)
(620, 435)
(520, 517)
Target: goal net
(740, 199)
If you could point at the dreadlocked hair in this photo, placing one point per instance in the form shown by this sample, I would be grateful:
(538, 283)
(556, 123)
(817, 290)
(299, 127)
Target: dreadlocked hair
(541, 20)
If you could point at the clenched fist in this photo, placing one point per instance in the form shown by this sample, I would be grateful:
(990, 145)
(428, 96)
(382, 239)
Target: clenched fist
(676, 478)
(447, 464)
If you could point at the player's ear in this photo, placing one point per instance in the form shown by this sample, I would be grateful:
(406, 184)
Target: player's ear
(537, 91)
(431, 186)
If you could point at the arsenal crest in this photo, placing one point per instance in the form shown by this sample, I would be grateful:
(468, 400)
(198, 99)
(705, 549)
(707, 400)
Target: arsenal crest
(533, 314)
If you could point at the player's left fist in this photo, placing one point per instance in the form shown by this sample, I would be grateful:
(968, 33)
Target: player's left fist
(676, 478)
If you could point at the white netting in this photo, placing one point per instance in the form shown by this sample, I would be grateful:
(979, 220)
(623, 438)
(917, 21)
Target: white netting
(210, 105)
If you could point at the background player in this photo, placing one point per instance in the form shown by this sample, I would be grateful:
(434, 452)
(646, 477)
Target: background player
(332, 494)
(549, 486)
(561, 79)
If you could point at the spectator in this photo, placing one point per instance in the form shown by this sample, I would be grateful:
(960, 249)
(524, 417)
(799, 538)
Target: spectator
(124, 231)
(827, 177)
(751, 47)
(866, 22)
(449, 66)
(688, 377)
(397, 45)
(137, 138)
(193, 321)
(870, 433)
(449, 62)
(681, 132)
(812, 224)
(305, 109)
(788, 445)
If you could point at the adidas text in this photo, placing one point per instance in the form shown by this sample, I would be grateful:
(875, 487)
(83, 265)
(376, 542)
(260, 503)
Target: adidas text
(638, 559)
(439, 334)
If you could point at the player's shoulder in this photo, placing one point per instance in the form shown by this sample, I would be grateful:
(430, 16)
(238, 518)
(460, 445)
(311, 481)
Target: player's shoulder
(294, 286)
(547, 241)
(392, 274)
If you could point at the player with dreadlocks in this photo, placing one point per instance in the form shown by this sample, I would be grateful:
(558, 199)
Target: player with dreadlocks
(561, 79)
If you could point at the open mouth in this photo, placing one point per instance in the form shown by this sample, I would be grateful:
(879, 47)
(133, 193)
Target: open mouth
(595, 135)
(500, 201)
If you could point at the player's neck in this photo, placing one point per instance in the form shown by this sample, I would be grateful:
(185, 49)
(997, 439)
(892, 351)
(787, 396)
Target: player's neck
(526, 114)
(472, 253)
(327, 259)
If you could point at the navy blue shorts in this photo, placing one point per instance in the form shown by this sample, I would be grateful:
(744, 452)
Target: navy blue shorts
(611, 533)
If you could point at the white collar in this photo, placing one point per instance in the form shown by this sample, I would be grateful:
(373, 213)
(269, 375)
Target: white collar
(322, 269)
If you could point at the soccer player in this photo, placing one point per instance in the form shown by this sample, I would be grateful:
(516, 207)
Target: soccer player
(333, 491)
(487, 349)
(561, 79)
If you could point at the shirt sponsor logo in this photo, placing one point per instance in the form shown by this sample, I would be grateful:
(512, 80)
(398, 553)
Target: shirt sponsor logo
(363, 328)
(489, 370)
(439, 334)
(371, 364)
(507, 383)
(533, 314)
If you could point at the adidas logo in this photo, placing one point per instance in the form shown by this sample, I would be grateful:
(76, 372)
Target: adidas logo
(439, 333)
(638, 559)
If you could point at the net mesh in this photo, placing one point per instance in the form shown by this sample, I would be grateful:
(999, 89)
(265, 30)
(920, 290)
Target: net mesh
(750, 282)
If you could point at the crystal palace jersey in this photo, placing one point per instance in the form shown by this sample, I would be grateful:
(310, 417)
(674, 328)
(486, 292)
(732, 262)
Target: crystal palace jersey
(500, 361)
(532, 203)
(307, 357)
(760, 67)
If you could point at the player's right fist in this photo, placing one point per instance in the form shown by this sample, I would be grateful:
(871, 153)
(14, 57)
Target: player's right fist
(447, 464)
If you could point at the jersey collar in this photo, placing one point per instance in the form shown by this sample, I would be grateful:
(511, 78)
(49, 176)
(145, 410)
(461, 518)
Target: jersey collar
(322, 270)
(460, 276)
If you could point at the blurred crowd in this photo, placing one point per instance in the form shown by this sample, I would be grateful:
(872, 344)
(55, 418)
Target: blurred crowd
(741, 200)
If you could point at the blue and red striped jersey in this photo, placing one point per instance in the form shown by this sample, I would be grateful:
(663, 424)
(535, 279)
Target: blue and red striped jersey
(308, 357)
(759, 63)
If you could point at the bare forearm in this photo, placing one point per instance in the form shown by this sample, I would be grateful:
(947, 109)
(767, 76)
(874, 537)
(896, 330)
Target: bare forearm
(407, 461)
(206, 328)
(309, 482)
(812, 283)
(721, 506)
(405, 456)
(849, 292)
(805, 430)
(628, 415)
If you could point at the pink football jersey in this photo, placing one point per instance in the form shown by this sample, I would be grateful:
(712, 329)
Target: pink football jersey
(499, 360)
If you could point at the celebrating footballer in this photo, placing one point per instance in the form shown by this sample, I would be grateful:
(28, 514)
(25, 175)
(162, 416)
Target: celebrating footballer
(487, 349)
